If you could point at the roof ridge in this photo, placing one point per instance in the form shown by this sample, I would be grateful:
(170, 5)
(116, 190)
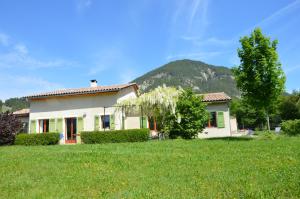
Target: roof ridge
(83, 90)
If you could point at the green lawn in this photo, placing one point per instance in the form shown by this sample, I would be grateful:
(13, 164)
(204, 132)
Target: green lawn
(165, 169)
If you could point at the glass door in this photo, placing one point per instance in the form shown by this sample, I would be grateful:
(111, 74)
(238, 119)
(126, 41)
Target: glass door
(71, 130)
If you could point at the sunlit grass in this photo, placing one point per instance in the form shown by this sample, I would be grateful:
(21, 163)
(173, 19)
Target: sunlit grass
(224, 168)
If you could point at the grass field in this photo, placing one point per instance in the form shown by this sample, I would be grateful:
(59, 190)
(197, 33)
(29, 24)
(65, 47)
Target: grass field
(166, 169)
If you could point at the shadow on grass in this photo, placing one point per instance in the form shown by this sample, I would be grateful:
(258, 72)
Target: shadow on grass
(232, 138)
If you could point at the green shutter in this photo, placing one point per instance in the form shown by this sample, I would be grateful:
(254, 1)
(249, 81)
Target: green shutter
(143, 122)
(80, 128)
(220, 120)
(79, 124)
(33, 126)
(96, 123)
(51, 125)
(112, 122)
(59, 125)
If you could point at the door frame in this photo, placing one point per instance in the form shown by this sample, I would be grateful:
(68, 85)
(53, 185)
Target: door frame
(66, 132)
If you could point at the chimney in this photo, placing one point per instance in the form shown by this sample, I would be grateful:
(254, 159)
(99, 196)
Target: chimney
(94, 83)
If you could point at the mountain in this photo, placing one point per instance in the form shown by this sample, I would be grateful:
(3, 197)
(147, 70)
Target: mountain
(13, 104)
(201, 77)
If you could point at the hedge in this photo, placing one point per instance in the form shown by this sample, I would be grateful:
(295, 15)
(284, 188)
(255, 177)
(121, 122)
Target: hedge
(131, 135)
(37, 139)
(291, 127)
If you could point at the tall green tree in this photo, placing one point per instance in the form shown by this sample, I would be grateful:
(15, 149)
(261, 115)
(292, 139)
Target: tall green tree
(259, 75)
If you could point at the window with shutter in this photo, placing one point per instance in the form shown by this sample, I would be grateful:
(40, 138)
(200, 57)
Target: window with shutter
(143, 122)
(220, 120)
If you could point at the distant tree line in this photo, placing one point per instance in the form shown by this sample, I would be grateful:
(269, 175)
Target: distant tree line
(13, 104)
(286, 108)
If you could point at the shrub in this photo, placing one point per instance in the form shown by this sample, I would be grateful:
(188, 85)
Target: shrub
(291, 127)
(267, 135)
(190, 116)
(131, 135)
(9, 126)
(37, 139)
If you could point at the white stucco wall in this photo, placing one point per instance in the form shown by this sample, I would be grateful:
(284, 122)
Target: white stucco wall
(81, 106)
(215, 131)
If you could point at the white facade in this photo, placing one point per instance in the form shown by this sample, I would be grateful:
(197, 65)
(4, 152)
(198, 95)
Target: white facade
(85, 106)
(215, 131)
(91, 109)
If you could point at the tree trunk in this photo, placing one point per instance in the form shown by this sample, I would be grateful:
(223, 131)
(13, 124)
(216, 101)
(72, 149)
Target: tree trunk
(268, 121)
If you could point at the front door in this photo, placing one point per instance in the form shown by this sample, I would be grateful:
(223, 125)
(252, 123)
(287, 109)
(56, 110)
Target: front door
(71, 130)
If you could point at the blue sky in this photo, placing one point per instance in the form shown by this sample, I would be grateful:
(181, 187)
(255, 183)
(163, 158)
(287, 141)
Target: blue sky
(46, 45)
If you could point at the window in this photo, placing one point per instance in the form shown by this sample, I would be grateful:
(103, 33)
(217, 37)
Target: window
(24, 127)
(44, 126)
(212, 120)
(105, 121)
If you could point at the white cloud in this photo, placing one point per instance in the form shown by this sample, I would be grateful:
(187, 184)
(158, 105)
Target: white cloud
(20, 86)
(209, 41)
(113, 61)
(17, 55)
(197, 56)
(291, 69)
(127, 75)
(83, 5)
(105, 59)
(279, 13)
(4, 39)
(21, 48)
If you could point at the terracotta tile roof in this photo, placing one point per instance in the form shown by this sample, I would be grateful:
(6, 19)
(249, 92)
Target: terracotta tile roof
(80, 91)
(213, 97)
(24, 111)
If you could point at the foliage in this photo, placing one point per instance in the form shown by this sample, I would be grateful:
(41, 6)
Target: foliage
(259, 76)
(268, 135)
(169, 169)
(154, 103)
(190, 116)
(37, 139)
(131, 135)
(16, 103)
(158, 103)
(202, 77)
(9, 126)
(289, 106)
(248, 117)
(1, 103)
(291, 127)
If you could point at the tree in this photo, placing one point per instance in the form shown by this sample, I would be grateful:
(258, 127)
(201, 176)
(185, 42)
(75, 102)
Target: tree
(259, 76)
(1, 103)
(190, 116)
(289, 107)
(16, 103)
(157, 103)
(246, 115)
(9, 127)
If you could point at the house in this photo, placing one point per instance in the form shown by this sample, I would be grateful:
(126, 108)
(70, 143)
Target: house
(220, 124)
(70, 111)
(23, 116)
